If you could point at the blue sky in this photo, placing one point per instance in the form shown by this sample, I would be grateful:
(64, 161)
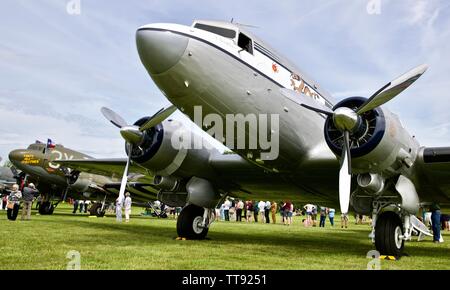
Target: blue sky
(57, 69)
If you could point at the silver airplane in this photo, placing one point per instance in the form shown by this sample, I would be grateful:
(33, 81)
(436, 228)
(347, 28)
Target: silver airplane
(355, 151)
(8, 177)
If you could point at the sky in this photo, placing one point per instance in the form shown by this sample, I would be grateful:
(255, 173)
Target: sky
(57, 69)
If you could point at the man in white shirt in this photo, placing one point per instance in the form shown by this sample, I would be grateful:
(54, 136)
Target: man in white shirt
(119, 205)
(127, 205)
(226, 209)
(262, 210)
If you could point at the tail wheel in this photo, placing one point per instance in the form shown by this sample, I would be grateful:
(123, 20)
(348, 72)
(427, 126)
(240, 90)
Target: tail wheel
(96, 209)
(46, 208)
(388, 234)
(189, 224)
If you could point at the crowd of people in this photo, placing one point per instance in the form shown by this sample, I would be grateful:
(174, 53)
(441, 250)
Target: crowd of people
(230, 210)
(266, 212)
(82, 205)
(11, 202)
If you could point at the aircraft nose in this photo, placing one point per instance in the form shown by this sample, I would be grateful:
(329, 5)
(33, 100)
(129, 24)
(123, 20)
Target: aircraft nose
(160, 50)
(16, 156)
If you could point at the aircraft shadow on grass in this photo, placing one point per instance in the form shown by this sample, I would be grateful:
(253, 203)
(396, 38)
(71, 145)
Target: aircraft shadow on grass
(347, 242)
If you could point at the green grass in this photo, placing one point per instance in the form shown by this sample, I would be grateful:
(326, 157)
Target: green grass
(149, 243)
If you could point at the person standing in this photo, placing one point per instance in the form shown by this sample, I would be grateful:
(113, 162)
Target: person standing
(331, 213)
(28, 194)
(314, 215)
(226, 209)
(283, 205)
(323, 216)
(344, 220)
(255, 211)
(267, 211)
(222, 212)
(81, 204)
(119, 205)
(5, 201)
(75, 206)
(127, 205)
(232, 211)
(309, 213)
(249, 210)
(288, 206)
(239, 208)
(13, 203)
(436, 222)
(273, 210)
(262, 210)
(87, 203)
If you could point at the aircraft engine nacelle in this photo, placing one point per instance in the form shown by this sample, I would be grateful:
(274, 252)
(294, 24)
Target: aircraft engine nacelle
(198, 191)
(379, 144)
(78, 184)
(169, 149)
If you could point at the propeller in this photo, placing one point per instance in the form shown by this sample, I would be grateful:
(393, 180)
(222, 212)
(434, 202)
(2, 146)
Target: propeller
(348, 121)
(134, 135)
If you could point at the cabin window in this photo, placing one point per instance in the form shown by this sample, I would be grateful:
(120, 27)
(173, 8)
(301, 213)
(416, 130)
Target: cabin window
(245, 43)
(228, 33)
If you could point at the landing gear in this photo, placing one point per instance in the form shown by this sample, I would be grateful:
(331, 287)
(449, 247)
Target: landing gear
(97, 209)
(46, 208)
(194, 221)
(389, 238)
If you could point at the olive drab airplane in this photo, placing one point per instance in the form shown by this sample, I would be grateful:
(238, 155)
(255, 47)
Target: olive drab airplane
(55, 182)
(355, 151)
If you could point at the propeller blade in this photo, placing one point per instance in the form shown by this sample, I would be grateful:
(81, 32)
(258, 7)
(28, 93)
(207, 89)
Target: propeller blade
(328, 113)
(293, 96)
(392, 89)
(113, 117)
(123, 184)
(345, 177)
(158, 118)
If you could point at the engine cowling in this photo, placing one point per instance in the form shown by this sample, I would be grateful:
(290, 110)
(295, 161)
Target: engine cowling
(165, 153)
(197, 191)
(78, 184)
(378, 144)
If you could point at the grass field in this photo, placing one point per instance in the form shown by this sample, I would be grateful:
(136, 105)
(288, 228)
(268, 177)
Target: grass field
(149, 243)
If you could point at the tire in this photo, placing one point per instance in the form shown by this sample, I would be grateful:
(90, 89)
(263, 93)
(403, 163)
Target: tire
(387, 231)
(185, 224)
(96, 209)
(46, 208)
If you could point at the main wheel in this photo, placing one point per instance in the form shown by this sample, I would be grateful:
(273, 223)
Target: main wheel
(189, 223)
(96, 209)
(388, 233)
(46, 208)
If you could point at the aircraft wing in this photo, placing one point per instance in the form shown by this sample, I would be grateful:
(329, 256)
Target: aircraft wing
(248, 180)
(433, 174)
(7, 176)
(112, 167)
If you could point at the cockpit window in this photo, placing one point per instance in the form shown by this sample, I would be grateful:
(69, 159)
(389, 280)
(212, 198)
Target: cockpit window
(245, 43)
(228, 33)
(37, 147)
